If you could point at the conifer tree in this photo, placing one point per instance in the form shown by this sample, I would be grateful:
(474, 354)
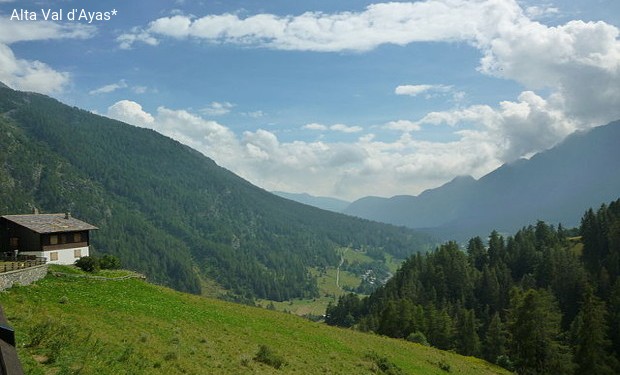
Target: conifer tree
(495, 339)
(591, 235)
(614, 318)
(535, 330)
(468, 342)
(589, 335)
(477, 253)
(497, 250)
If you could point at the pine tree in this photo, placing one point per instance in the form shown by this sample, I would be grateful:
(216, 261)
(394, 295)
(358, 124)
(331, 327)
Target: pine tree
(440, 328)
(614, 318)
(497, 249)
(592, 240)
(477, 253)
(589, 336)
(468, 342)
(495, 339)
(489, 293)
(535, 330)
(389, 323)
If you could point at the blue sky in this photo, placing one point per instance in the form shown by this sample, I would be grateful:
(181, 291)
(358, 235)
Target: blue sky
(342, 99)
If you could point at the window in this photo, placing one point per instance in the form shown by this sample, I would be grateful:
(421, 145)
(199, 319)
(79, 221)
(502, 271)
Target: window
(14, 242)
(54, 239)
(77, 253)
(53, 256)
(77, 237)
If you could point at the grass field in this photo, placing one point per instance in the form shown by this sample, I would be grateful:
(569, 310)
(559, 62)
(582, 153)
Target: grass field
(74, 325)
(328, 290)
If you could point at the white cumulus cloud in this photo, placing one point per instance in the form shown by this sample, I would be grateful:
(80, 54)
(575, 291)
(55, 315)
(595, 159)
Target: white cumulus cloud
(349, 170)
(131, 113)
(106, 89)
(34, 75)
(27, 75)
(342, 128)
(415, 90)
(217, 108)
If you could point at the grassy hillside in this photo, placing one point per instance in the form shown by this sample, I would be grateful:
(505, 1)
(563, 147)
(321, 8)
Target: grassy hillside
(169, 211)
(76, 325)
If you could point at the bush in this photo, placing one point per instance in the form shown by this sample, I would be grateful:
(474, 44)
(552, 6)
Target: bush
(269, 357)
(88, 264)
(505, 362)
(383, 365)
(444, 366)
(109, 262)
(418, 337)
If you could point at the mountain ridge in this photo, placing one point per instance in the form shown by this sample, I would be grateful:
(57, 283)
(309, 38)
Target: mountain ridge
(324, 203)
(554, 185)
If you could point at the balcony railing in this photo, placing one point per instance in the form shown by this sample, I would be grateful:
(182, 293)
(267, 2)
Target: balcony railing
(11, 263)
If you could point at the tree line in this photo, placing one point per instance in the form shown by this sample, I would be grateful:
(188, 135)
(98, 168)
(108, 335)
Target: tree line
(543, 301)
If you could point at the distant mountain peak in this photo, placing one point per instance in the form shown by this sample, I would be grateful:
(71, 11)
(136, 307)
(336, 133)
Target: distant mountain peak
(463, 178)
(555, 186)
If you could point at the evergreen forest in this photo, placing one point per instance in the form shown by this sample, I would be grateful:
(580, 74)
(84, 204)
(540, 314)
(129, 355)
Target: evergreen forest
(543, 301)
(168, 211)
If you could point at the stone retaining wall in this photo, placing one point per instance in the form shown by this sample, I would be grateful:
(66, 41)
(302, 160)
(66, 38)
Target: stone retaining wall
(24, 276)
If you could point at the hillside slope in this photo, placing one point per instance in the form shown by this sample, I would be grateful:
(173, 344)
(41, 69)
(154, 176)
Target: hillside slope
(165, 209)
(554, 186)
(433, 207)
(325, 203)
(84, 326)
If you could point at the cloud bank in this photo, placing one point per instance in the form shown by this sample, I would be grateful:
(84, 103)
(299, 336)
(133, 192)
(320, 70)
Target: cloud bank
(570, 74)
(366, 165)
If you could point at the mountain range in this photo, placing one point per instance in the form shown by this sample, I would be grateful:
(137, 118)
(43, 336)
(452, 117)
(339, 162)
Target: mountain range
(324, 203)
(168, 211)
(555, 186)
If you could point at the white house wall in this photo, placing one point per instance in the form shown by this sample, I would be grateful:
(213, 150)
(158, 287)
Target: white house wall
(65, 256)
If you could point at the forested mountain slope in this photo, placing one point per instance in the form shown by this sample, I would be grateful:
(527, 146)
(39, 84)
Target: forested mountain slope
(167, 210)
(544, 301)
(555, 186)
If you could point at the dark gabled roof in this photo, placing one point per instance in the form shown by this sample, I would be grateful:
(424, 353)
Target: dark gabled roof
(49, 223)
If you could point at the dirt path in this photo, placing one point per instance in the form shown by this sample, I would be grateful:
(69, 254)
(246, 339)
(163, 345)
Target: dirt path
(338, 269)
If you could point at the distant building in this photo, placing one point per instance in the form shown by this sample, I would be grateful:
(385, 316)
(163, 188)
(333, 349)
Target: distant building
(59, 238)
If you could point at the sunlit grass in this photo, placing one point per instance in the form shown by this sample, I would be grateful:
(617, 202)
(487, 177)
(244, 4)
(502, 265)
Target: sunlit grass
(89, 326)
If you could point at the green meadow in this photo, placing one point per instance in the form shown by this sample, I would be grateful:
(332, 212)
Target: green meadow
(329, 290)
(77, 325)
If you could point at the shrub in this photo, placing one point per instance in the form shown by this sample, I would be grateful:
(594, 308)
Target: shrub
(383, 365)
(109, 262)
(444, 366)
(505, 362)
(418, 337)
(88, 264)
(269, 357)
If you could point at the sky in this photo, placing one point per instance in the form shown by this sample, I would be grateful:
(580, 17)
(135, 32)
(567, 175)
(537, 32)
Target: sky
(343, 99)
